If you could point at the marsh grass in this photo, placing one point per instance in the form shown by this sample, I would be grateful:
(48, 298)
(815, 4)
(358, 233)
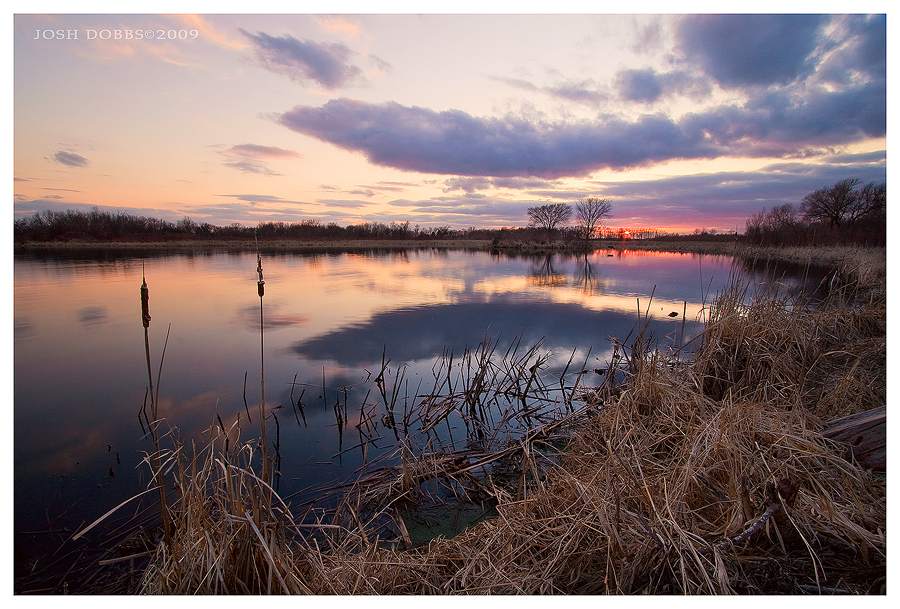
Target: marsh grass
(703, 475)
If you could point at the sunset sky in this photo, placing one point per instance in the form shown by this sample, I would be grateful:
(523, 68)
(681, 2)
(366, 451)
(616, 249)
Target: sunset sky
(464, 120)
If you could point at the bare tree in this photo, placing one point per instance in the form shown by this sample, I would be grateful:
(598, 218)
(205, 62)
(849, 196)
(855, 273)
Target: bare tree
(781, 218)
(589, 214)
(832, 203)
(871, 199)
(549, 216)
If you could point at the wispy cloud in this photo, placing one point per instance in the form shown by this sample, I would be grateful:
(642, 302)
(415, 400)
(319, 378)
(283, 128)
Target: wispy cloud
(306, 60)
(211, 33)
(256, 198)
(584, 91)
(476, 183)
(251, 158)
(71, 159)
(342, 203)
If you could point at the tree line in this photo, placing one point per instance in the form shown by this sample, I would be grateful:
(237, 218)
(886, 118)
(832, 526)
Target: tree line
(845, 212)
(102, 225)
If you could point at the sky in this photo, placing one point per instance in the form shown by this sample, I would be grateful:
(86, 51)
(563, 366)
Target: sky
(462, 119)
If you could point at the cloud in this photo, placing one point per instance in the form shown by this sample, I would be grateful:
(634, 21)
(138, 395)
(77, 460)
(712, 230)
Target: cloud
(453, 142)
(648, 38)
(258, 151)
(647, 85)
(250, 158)
(752, 50)
(456, 143)
(472, 184)
(254, 198)
(393, 186)
(777, 123)
(644, 85)
(587, 92)
(861, 51)
(71, 159)
(305, 60)
(639, 85)
(342, 203)
(210, 33)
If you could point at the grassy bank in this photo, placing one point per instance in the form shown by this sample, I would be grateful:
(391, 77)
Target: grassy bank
(701, 476)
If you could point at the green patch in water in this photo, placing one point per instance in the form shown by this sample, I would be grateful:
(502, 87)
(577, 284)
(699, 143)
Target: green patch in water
(426, 523)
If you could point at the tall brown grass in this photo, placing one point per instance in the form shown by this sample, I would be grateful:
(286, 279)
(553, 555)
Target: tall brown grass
(700, 476)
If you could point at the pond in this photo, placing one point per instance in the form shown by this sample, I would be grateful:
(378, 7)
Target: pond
(330, 322)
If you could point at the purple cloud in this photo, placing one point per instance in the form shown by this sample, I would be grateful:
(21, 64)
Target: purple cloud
(863, 39)
(647, 85)
(456, 143)
(305, 60)
(742, 50)
(453, 142)
(639, 85)
(71, 159)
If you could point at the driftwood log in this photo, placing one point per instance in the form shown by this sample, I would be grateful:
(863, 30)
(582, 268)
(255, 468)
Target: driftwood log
(865, 435)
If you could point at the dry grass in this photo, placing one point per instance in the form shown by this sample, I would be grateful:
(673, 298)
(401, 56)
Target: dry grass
(706, 477)
(230, 530)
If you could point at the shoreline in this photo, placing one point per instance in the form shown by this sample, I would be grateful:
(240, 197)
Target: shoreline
(819, 255)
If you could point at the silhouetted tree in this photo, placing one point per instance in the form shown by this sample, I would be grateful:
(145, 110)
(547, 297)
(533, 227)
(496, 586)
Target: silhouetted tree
(843, 212)
(549, 216)
(832, 204)
(589, 214)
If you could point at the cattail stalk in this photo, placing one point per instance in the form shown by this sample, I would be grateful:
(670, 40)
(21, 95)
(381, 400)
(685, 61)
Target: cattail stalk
(260, 289)
(154, 424)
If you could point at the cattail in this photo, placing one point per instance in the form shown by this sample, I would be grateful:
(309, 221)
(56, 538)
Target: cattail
(145, 304)
(260, 284)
